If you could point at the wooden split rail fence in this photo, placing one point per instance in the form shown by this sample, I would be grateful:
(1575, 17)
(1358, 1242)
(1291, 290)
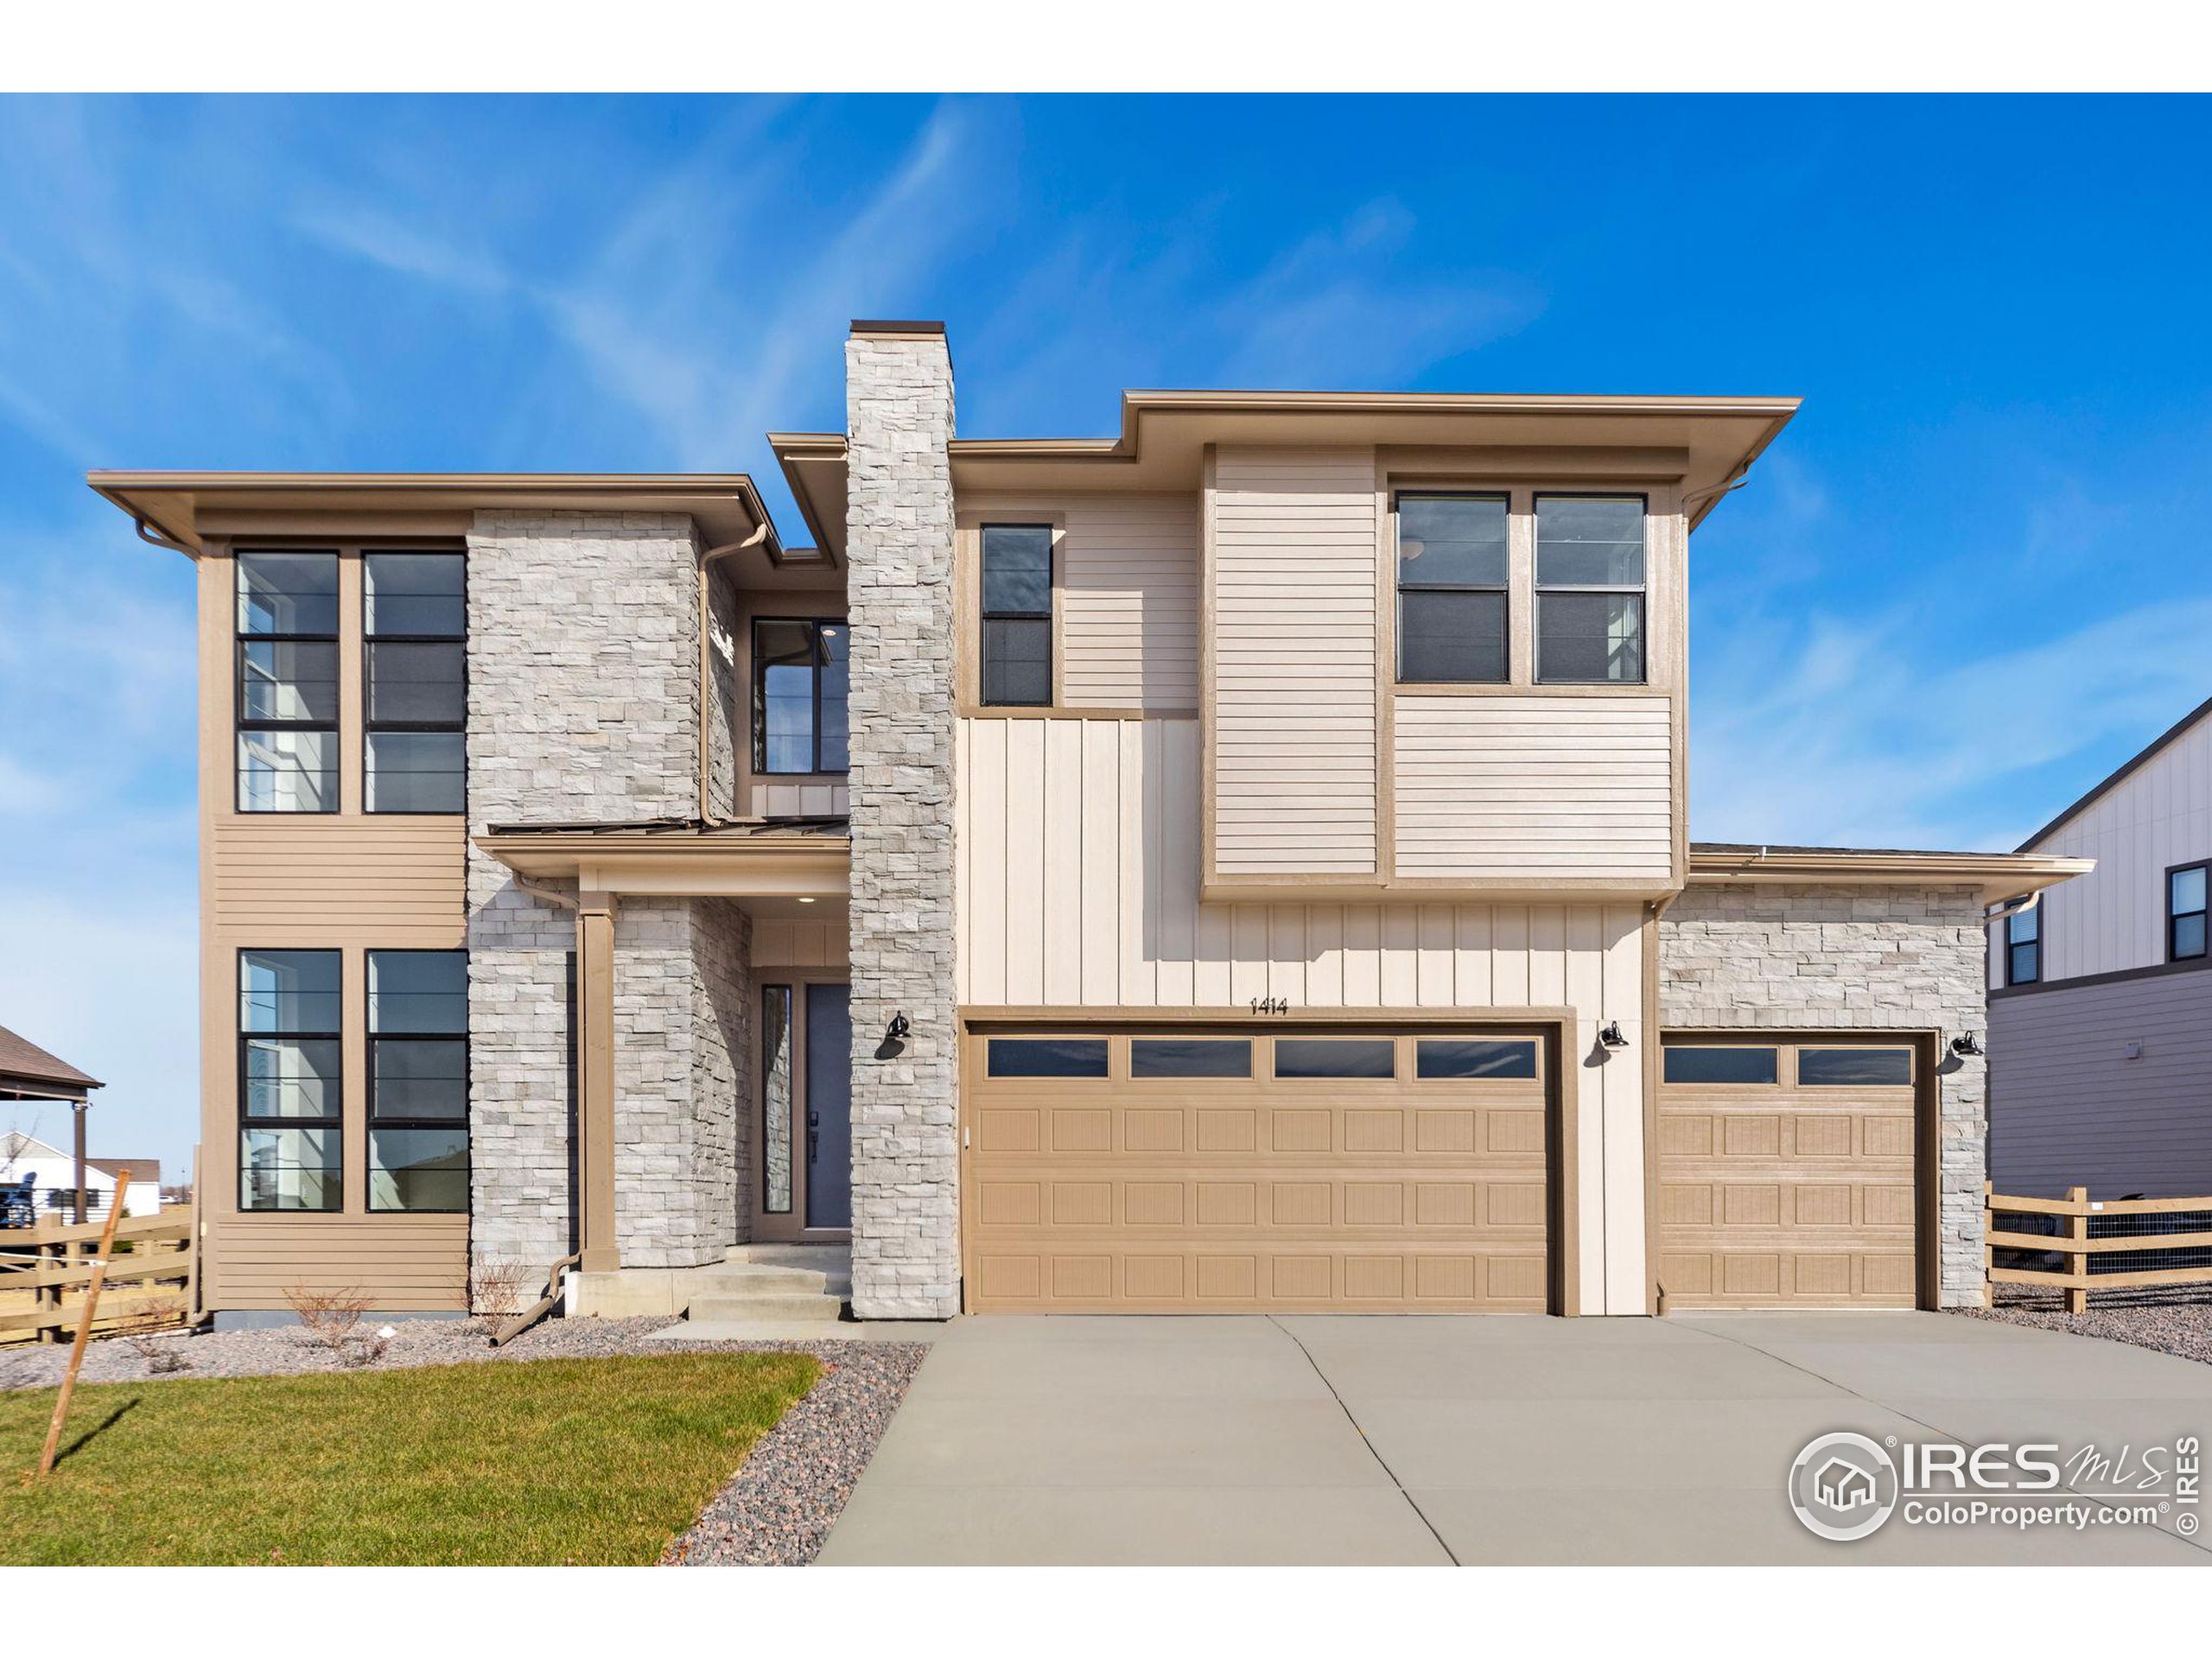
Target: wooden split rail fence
(153, 1278)
(2081, 1247)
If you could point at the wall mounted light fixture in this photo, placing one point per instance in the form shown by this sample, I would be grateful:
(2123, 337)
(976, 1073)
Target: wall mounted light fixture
(1611, 1036)
(1967, 1044)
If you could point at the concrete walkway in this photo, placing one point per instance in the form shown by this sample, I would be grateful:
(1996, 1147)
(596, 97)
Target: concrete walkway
(1382, 1440)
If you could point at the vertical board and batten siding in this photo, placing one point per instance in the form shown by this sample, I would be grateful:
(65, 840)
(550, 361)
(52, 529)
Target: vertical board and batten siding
(795, 800)
(1296, 759)
(1534, 786)
(2068, 1108)
(1077, 880)
(777, 942)
(1127, 594)
(2115, 917)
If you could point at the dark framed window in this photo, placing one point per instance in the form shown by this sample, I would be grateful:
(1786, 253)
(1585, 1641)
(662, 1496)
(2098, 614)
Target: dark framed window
(1590, 589)
(800, 674)
(777, 1094)
(1017, 654)
(1720, 1063)
(1336, 1057)
(1859, 1067)
(290, 1093)
(1475, 1058)
(418, 1081)
(2024, 946)
(2185, 897)
(1453, 573)
(287, 673)
(415, 630)
(1047, 1057)
(1190, 1056)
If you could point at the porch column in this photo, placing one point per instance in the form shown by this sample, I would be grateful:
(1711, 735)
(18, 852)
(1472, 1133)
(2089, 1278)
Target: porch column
(595, 1081)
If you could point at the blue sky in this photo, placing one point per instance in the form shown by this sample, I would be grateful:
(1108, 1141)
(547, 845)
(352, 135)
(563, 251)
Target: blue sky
(1970, 578)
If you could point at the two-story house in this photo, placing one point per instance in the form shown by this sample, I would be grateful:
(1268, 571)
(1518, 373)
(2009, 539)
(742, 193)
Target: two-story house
(2100, 1014)
(1238, 865)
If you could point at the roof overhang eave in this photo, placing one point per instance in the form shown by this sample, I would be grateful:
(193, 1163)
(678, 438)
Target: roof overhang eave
(766, 866)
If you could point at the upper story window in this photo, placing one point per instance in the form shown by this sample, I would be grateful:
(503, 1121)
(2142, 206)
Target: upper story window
(1017, 655)
(2024, 946)
(289, 1086)
(1590, 589)
(1453, 572)
(286, 693)
(2186, 895)
(414, 625)
(800, 675)
(418, 1080)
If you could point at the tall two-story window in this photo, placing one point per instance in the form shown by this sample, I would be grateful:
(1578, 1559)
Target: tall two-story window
(799, 680)
(414, 623)
(1590, 589)
(418, 1080)
(286, 695)
(289, 1090)
(1453, 570)
(2024, 946)
(2185, 904)
(1017, 655)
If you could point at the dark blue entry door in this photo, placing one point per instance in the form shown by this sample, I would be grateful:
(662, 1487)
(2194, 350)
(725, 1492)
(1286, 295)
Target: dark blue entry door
(828, 1106)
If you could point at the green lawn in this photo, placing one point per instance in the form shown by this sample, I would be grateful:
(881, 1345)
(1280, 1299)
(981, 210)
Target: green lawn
(593, 1461)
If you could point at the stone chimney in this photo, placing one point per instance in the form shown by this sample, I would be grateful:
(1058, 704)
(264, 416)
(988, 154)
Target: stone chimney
(898, 554)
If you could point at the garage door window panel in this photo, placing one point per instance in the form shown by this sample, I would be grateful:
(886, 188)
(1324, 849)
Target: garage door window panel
(1755, 1065)
(1471, 1060)
(1048, 1057)
(1854, 1068)
(1190, 1056)
(1335, 1058)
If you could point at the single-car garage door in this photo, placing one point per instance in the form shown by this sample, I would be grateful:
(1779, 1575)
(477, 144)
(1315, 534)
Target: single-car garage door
(1205, 1170)
(1787, 1172)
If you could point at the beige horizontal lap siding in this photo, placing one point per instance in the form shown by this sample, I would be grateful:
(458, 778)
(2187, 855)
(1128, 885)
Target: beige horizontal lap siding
(1534, 786)
(809, 800)
(307, 874)
(1077, 881)
(1295, 723)
(403, 1263)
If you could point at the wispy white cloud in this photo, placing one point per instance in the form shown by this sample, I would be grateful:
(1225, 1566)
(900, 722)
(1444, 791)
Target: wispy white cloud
(382, 239)
(1832, 732)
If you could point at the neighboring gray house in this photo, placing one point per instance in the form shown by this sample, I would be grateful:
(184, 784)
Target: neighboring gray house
(2099, 1013)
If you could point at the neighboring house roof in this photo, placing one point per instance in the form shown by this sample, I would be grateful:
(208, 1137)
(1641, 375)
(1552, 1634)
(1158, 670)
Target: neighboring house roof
(27, 1069)
(16, 1144)
(2149, 753)
(142, 1169)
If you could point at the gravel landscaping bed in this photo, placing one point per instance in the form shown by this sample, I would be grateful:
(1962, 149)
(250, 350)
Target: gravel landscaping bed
(775, 1511)
(2171, 1321)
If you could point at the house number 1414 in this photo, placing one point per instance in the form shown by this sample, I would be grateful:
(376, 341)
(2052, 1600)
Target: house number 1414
(1270, 1005)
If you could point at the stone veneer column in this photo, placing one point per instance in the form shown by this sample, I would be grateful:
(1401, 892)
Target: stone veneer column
(899, 555)
(1851, 959)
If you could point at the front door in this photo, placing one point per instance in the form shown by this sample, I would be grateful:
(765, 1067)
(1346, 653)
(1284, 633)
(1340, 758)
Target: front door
(802, 1112)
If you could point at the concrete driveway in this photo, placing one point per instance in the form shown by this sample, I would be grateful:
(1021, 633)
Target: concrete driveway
(1386, 1439)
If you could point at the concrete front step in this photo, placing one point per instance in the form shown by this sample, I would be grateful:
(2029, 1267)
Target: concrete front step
(736, 1280)
(769, 1306)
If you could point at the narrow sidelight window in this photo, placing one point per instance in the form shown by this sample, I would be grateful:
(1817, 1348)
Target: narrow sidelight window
(415, 618)
(799, 678)
(2024, 946)
(418, 1081)
(1017, 657)
(287, 692)
(1590, 589)
(2185, 890)
(1453, 573)
(776, 1096)
(288, 1080)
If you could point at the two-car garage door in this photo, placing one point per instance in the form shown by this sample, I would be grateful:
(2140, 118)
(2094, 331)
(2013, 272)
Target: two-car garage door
(1200, 1170)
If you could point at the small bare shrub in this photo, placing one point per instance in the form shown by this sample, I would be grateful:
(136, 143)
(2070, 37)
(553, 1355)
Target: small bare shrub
(332, 1320)
(495, 1289)
(151, 1332)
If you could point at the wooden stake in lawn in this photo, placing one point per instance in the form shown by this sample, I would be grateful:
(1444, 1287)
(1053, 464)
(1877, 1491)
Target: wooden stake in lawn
(84, 1324)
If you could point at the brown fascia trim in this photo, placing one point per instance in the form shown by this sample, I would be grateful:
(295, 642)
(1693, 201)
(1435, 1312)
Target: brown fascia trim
(895, 325)
(1998, 874)
(674, 492)
(2150, 752)
(2117, 977)
(792, 447)
(1136, 403)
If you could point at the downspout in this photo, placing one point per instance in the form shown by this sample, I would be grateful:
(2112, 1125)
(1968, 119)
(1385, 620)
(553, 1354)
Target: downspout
(707, 814)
